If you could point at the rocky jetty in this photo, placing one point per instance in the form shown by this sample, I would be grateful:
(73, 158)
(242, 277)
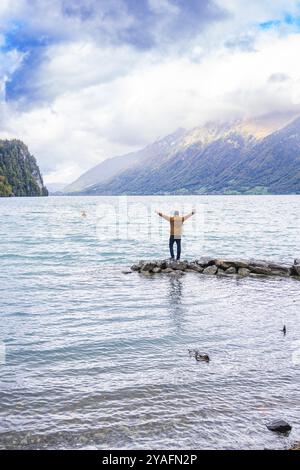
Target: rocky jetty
(219, 267)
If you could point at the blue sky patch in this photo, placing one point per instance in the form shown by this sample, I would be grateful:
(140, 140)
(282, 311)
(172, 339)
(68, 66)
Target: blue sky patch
(270, 24)
(287, 21)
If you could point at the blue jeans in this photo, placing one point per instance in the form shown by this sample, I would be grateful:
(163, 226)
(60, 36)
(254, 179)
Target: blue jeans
(171, 245)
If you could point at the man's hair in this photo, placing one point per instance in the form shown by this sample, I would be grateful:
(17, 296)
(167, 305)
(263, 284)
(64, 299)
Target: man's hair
(176, 212)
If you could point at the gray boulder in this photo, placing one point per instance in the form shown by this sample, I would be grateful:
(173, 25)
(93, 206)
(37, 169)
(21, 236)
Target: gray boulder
(258, 263)
(221, 272)
(243, 271)
(167, 270)
(210, 270)
(241, 263)
(178, 266)
(279, 426)
(162, 264)
(148, 266)
(296, 269)
(260, 269)
(135, 267)
(205, 261)
(231, 270)
(146, 273)
(228, 263)
(279, 272)
(223, 264)
(195, 267)
(156, 270)
(279, 267)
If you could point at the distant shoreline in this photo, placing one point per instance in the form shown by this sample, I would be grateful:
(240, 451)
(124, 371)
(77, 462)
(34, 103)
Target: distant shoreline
(172, 194)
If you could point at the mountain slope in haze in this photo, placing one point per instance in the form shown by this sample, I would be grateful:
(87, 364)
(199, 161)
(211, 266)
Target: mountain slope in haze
(109, 168)
(273, 163)
(215, 159)
(19, 172)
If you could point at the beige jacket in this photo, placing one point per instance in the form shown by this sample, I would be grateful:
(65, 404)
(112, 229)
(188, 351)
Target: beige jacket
(176, 223)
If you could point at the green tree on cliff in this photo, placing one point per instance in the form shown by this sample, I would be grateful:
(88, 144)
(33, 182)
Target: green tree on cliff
(5, 188)
(19, 170)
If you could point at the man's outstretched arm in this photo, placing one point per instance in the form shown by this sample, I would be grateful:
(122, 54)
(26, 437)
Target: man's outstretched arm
(187, 216)
(163, 215)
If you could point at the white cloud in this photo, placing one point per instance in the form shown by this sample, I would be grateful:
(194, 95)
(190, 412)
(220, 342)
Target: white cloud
(74, 66)
(258, 11)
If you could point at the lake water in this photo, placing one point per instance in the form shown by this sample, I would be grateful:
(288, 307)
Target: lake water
(94, 358)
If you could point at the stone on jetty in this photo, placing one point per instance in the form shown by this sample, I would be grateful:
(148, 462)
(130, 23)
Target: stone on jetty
(259, 267)
(221, 263)
(296, 267)
(148, 266)
(179, 265)
(219, 266)
(260, 270)
(231, 270)
(205, 261)
(194, 267)
(241, 263)
(296, 270)
(156, 270)
(279, 426)
(280, 267)
(243, 271)
(210, 270)
(168, 270)
(138, 266)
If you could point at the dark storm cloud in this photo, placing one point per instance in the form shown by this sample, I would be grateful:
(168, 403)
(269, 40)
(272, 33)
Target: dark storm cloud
(145, 23)
(142, 24)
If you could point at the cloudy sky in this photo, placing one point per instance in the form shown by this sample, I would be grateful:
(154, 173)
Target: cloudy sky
(84, 80)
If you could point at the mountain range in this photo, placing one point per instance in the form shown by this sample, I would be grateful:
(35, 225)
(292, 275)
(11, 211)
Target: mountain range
(242, 157)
